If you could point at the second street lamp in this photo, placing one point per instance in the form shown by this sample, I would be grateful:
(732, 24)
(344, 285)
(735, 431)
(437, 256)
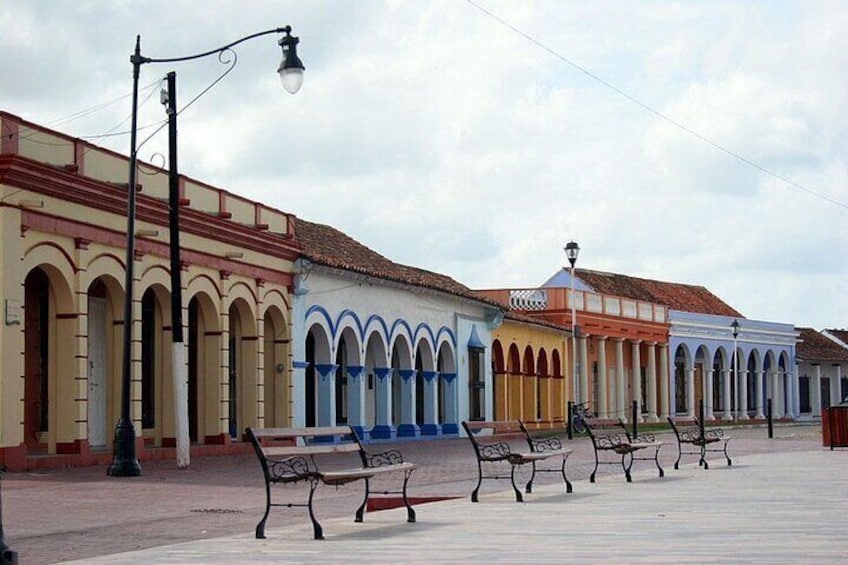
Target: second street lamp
(571, 251)
(124, 460)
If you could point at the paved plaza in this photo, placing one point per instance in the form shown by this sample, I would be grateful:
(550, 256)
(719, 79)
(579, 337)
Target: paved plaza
(783, 500)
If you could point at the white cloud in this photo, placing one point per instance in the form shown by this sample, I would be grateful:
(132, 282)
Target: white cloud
(442, 139)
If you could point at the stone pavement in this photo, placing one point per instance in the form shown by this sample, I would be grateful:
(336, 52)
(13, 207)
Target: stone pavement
(782, 500)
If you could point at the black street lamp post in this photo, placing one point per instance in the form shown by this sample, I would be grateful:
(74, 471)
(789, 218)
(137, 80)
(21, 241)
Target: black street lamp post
(124, 460)
(7, 556)
(571, 251)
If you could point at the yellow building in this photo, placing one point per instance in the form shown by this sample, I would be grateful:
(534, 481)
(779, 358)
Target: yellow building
(63, 209)
(529, 358)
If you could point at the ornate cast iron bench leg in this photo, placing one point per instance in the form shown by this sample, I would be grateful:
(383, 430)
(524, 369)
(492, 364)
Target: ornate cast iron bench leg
(316, 527)
(595, 470)
(479, 481)
(260, 527)
(529, 488)
(360, 512)
(518, 496)
(568, 487)
(410, 513)
(626, 464)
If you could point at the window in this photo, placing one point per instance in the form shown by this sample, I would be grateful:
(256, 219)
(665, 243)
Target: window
(476, 383)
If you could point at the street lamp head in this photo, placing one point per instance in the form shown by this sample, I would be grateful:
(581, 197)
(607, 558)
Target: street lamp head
(291, 67)
(571, 251)
(735, 327)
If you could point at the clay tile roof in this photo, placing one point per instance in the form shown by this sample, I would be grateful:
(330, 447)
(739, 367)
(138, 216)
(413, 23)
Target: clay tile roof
(525, 319)
(676, 296)
(841, 335)
(815, 346)
(328, 246)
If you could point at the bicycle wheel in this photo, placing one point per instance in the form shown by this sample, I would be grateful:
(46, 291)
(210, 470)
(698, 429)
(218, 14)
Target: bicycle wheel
(577, 425)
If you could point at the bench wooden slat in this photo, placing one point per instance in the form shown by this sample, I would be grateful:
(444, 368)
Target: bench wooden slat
(301, 432)
(312, 449)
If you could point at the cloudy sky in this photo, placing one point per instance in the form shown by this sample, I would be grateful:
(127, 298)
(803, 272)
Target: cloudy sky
(694, 142)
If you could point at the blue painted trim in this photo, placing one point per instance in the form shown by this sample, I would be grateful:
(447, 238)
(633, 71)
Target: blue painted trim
(449, 377)
(429, 375)
(355, 371)
(382, 372)
(407, 374)
(300, 364)
(474, 339)
(408, 430)
(450, 429)
(361, 432)
(431, 430)
(383, 432)
(326, 369)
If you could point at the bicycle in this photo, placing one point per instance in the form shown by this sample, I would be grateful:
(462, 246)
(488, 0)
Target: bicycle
(579, 413)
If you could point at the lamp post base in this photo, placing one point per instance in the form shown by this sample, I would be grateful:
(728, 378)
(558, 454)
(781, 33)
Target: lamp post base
(124, 462)
(7, 556)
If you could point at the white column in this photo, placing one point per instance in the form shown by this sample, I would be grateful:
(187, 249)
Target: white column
(637, 379)
(776, 395)
(690, 392)
(651, 383)
(742, 383)
(708, 395)
(665, 409)
(815, 391)
(834, 385)
(602, 405)
(758, 390)
(794, 403)
(620, 381)
(728, 413)
(584, 369)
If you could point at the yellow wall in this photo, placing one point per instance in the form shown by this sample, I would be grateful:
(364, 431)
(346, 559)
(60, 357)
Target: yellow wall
(530, 392)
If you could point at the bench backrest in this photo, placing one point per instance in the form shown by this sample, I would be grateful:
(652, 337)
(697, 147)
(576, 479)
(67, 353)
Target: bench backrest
(606, 432)
(686, 428)
(304, 442)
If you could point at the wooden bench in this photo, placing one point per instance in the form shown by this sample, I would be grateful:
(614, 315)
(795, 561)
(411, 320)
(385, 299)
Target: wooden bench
(690, 431)
(330, 455)
(497, 443)
(612, 436)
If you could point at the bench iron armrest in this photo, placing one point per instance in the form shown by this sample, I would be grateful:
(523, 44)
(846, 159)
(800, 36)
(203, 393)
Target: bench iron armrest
(289, 470)
(547, 444)
(714, 433)
(382, 459)
(493, 451)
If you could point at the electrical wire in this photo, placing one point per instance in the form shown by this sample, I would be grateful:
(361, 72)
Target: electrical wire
(655, 112)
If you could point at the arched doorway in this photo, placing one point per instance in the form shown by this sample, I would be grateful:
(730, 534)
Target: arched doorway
(277, 405)
(204, 365)
(36, 359)
(241, 376)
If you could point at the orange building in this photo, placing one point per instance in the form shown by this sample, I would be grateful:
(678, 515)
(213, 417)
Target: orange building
(621, 347)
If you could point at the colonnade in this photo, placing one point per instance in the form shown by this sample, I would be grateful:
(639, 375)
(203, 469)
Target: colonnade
(616, 386)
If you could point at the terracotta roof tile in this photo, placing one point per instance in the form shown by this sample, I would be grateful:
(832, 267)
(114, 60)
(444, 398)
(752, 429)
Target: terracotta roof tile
(328, 246)
(841, 335)
(815, 346)
(525, 319)
(676, 296)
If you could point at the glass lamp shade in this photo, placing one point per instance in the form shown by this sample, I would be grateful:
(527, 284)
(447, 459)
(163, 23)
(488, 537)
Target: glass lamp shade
(291, 79)
(571, 251)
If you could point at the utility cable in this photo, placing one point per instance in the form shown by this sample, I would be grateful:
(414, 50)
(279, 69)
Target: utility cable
(655, 112)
